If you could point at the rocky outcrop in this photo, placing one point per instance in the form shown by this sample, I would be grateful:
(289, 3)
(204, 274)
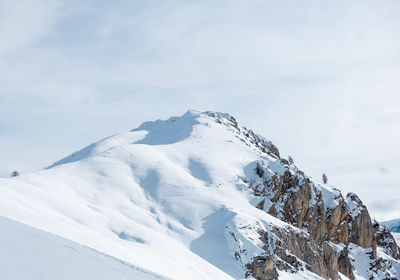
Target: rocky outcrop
(381, 268)
(262, 267)
(386, 241)
(322, 213)
(344, 264)
(337, 223)
(362, 232)
(247, 136)
(325, 225)
(295, 248)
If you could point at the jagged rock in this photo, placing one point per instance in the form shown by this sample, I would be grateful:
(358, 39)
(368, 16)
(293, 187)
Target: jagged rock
(361, 231)
(337, 225)
(297, 226)
(297, 200)
(330, 256)
(272, 210)
(386, 241)
(382, 267)
(316, 222)
(325, 223)
(262, 268)
(261, 204)
(304, 248)
(344, 264)
(299, 203)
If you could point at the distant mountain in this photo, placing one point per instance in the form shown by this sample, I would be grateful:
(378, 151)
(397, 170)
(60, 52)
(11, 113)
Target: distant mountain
(392, 225)
(195, 197)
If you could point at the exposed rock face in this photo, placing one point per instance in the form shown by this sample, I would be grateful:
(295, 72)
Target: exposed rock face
(321, 260)
(386, 241)
(329, 221)
(362, 232)
(382, 269)
(325, 225)
(344, 264)
(262, 268)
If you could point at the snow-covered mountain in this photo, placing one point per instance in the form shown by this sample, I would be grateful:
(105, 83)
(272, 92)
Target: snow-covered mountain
(192, 197)
(392, 225)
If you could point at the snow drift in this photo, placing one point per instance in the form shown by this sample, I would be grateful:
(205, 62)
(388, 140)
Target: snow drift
(198, 197)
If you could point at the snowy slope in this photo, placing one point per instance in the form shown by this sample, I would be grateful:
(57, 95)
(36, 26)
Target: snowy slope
(397, 236)
(142, 203)
(28, 253)
(164, 197)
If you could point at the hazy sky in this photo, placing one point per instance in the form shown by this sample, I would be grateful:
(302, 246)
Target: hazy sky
(321, 79)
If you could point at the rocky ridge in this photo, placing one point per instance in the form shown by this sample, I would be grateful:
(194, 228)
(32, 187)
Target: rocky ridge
(328, 221)
(201, 197)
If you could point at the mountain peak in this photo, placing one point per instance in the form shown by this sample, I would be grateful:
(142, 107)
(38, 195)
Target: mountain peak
(201, 197)
(208, 124)
(188, 118)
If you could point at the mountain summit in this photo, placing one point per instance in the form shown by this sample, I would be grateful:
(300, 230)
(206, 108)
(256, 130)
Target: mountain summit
(201, 197)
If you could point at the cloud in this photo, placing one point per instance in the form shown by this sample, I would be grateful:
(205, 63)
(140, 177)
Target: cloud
(390, 113)
(191, 44)
(386, 210)
(25, 22)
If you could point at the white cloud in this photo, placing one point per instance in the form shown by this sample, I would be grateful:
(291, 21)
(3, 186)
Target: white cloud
(25, 22)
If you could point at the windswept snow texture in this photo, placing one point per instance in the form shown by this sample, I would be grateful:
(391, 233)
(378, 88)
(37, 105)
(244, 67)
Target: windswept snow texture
(148, 197)
(213, 246)
(165, 197)
(28, 253)
(170, 131)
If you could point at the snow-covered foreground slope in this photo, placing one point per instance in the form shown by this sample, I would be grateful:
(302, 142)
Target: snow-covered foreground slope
(142, 203)
(28, 253)
(178, 198)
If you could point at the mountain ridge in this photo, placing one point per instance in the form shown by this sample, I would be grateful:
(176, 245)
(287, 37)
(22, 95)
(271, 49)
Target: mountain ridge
(201, 197)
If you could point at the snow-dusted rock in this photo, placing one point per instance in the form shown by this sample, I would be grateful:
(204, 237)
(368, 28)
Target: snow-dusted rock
(201, 197)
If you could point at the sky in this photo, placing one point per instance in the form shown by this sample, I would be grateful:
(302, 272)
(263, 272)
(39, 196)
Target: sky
(321, 79)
